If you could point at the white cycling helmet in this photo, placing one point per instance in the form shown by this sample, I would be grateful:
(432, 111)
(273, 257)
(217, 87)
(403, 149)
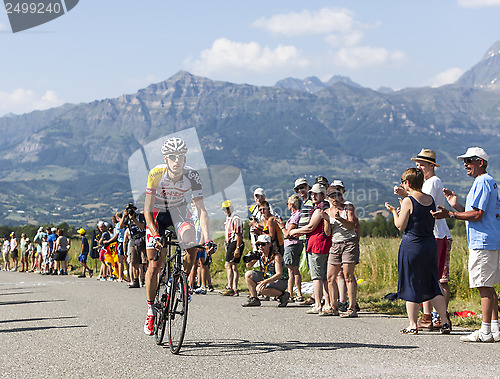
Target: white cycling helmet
(174, 145)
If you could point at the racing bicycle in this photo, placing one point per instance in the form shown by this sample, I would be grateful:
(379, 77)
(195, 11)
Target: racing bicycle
(172, 295)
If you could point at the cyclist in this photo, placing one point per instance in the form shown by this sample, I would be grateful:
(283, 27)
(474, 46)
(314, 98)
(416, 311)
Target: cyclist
(165, 205)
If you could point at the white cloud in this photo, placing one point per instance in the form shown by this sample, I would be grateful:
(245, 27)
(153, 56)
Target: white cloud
(345, 39)
(478, 3)
(366, 57)
(447, 77)
(245, 57)
(324, 21)
(24, 100)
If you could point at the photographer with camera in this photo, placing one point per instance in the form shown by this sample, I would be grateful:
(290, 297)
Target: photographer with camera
(136, 224)
(270, 279)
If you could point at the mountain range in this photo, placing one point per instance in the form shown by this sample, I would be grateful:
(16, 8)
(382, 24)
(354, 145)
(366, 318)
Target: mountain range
(70, 163)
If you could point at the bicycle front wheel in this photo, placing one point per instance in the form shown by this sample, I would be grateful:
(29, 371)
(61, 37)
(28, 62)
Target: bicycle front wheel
(160, 309)
(177, 310)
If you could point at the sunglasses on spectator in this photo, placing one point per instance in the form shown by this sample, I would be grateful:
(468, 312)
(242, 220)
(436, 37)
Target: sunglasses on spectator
(260, 244)
(263, 209)
(335, 194)
(301, 187)
(403, 180)
(174, 157)
(470, 160)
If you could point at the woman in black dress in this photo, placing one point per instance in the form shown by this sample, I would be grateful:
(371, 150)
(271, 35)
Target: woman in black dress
(417, 258)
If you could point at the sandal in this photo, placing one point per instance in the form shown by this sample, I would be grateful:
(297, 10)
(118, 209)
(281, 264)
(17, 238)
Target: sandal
(309, 301)
(409, 331)
(299, 299)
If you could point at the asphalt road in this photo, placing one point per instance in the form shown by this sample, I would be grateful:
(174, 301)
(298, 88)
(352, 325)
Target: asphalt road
(52, 326)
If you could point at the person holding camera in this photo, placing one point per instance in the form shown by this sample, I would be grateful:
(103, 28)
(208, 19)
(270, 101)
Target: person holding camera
(270, 279)
(136, 224)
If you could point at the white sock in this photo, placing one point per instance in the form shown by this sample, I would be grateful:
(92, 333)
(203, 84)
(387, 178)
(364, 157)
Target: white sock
(494, 326)
(150, 309)
(485, 328)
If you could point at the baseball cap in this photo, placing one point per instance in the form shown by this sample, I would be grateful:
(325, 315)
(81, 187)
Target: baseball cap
(53, 230)
(318, 188)
(40, 229)
(474, 152)
(259, 191)
(81, 231)
(322, 180)
(100, 223)
(264, 238)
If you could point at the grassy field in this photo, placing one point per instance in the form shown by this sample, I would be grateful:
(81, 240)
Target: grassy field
(377, 275)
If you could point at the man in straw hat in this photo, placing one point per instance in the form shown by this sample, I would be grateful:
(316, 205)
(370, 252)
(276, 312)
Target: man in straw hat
(426, 162)
(482, 215)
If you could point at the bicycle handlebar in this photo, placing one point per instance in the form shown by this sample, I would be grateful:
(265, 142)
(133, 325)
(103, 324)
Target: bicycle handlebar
(167, 241)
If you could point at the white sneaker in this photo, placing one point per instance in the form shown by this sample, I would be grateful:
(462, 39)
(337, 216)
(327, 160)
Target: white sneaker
(478, 336)
(496, 336)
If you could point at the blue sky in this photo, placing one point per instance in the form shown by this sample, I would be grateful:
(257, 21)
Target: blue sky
(107, 48)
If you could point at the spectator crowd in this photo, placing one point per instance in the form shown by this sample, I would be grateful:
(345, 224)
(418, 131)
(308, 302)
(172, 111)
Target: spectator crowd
(323, 231)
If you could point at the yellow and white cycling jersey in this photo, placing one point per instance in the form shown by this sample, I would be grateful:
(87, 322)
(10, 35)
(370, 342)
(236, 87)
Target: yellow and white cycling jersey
(169, 194)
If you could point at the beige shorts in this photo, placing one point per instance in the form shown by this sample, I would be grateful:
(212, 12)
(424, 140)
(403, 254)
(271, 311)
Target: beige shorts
(344, 252)
(483, 268)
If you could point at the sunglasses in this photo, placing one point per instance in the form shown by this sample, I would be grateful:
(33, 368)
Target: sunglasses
(301, 187)
(174, 157)
(263, 209)
(470, 160)
(334, 194)
(260, 244)
(403, 180)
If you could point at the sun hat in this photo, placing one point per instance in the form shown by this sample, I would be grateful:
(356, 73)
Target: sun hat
(299, 182)
(264, 238)
(318, 188)
(474, 152)
(259, 191)
(337, 183)
(226, 204)
(426, 155)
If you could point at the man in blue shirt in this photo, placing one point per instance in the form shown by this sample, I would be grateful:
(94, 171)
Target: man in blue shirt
(482, 218)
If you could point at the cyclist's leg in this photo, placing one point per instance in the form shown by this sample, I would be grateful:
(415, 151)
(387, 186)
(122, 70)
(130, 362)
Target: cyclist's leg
(154, 268)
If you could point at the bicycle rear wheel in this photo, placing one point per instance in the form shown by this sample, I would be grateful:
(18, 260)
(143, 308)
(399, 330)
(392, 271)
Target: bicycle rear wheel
(160, 309)
(177, 310)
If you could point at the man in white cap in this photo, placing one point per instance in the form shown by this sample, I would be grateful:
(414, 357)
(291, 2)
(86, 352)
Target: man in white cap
(233, 242)
(426, 162)
(255, 217)
(482, 215)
